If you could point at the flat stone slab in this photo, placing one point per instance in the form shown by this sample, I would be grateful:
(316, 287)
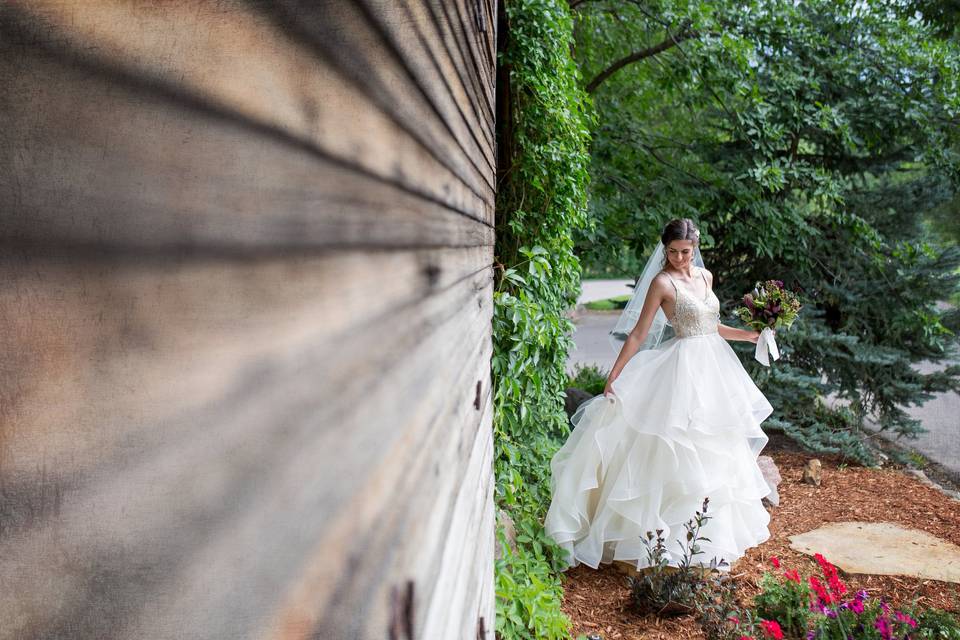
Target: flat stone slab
(882, 548)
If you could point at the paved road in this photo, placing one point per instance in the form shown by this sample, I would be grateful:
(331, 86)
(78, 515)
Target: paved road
(591, 342)
(940, 416)
(592, 346)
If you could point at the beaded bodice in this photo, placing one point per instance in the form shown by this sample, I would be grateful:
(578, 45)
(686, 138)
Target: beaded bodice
(693, 315)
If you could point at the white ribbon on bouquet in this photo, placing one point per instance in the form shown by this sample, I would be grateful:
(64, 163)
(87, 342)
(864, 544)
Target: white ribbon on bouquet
(766, 345)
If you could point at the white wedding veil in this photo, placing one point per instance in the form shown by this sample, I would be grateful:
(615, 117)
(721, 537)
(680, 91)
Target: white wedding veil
(660, 328)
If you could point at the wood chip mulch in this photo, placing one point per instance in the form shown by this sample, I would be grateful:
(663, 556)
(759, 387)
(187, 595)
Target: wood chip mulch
(598, 601)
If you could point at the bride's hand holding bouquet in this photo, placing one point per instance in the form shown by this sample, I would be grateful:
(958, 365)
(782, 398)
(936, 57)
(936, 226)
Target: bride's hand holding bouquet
(765, 309)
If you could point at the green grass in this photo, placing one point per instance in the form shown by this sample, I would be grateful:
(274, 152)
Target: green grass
(617, 302)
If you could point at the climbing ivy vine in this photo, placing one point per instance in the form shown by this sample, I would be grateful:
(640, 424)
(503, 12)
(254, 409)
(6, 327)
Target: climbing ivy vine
(544, 121)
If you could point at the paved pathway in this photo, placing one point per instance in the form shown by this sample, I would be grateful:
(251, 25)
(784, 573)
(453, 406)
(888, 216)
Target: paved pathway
(940, 416)
(591, 344)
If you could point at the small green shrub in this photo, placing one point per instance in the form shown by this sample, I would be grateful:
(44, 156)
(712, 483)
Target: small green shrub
(528, 588)
(669, 590)
(936, 624)
(589, 378)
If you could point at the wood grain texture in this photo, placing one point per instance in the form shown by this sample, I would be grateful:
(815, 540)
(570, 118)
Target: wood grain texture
(246, 312)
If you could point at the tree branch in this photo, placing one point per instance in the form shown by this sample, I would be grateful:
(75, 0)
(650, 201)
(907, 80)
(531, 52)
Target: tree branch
(668, 43)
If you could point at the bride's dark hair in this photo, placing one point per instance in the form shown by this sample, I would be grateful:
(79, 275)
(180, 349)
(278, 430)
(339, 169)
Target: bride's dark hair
(679, 229)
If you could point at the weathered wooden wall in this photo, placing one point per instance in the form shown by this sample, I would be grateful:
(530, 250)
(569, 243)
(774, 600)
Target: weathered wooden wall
(245, 319)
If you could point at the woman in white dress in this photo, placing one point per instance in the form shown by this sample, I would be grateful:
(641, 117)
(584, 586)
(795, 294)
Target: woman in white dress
(677, 423)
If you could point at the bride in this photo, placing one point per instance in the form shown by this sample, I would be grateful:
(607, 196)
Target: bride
(679, 421)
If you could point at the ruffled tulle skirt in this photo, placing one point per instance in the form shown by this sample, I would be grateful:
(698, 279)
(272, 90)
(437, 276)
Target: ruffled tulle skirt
(684, 425)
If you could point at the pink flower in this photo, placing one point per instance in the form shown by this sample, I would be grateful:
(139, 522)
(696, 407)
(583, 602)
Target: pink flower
(902, 617)
(856, 605)
(771, 629)
(734, 619)
(775, 561)
(883, 626)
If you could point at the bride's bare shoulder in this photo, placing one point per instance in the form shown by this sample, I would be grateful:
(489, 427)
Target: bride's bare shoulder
(709, 275)
(661, 282)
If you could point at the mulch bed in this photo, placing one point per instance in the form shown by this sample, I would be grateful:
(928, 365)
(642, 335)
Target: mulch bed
(598, 601)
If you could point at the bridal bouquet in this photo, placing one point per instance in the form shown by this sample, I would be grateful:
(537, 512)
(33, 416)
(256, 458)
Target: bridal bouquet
(768, 307)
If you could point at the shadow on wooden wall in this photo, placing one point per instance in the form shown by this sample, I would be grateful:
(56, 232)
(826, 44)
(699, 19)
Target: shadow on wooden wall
(246, 310)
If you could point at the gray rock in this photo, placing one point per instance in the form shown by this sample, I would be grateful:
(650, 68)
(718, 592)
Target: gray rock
(772, 475)
(882, 548)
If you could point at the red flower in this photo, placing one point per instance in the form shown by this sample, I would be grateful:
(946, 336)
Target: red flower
(775, 561)
(771, 629)
(830, 572)
(836, 586)
(821, 591)
(792, 574)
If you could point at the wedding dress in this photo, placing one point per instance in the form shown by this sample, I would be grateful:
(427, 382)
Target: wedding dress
(683, 424)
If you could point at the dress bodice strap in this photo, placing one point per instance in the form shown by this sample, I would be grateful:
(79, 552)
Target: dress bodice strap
(671, 280)
(702, 275)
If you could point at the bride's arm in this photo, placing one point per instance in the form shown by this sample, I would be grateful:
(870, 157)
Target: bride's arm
(655, 296)
(732, 333)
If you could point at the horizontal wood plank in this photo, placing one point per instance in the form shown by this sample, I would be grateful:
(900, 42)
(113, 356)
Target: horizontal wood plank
(200, 123)
(274, 433)
(246, 250)
(423, 50)
(476, 58)
(157, 175)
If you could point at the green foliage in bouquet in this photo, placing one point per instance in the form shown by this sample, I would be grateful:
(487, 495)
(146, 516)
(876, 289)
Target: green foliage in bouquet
(769, 305)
